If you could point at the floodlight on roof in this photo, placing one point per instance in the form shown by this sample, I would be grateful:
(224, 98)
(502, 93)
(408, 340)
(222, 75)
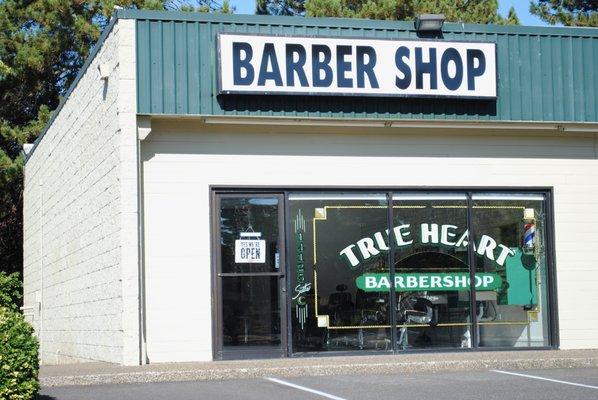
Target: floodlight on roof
(429, 22)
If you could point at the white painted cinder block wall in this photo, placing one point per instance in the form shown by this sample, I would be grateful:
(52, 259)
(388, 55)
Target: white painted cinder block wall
(80, 217)
(181, 159)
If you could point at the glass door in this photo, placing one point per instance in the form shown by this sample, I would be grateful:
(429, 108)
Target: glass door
(250, 275)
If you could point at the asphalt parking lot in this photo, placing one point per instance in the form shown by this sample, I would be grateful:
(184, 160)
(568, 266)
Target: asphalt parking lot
(570, 384)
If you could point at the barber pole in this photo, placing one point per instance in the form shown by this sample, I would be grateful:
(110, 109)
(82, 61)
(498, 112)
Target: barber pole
(529, 238)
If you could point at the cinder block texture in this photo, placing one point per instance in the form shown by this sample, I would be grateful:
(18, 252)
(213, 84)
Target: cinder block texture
(76, 232)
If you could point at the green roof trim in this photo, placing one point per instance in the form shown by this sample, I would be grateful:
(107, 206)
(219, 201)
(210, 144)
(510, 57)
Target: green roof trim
(348, 23)
(545, 74)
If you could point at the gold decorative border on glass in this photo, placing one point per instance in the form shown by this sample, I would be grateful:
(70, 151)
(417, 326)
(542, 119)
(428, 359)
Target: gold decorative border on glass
(321, 215)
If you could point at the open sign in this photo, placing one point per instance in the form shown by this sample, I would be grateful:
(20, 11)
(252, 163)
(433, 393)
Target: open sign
(250, 251)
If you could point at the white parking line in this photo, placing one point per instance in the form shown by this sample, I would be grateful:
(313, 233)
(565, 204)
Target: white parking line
(305, 389)
(545, 379)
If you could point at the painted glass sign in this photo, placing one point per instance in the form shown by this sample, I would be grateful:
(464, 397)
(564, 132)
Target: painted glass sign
(430, 282)
(433, 234)
(262, 64)
(367, 264)
(302, 287)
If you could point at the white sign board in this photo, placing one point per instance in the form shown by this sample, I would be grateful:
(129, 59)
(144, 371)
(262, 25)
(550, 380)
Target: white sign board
(260, 64)
(250, 251)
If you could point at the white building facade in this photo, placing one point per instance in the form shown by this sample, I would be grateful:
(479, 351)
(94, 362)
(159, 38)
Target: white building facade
(170, 217)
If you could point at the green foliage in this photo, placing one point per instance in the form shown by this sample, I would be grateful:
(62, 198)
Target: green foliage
(19, 362)
(223, 6)
(472, 11)
(372, 9)
(511, 19)
(10, 290)
(469, 11)
(12, 137)
(566, 12)
(280, 7)
(43, 44)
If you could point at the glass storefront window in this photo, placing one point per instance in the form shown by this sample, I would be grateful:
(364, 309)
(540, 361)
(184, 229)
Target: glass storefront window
(344, 250)
(432, 270)
(335, 240)
(511, 243)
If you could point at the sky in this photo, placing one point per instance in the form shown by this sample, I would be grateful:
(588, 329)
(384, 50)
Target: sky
(521, 7)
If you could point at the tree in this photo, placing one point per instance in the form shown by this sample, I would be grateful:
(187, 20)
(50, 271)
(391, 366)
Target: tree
(566, 12)
(280, 7)
(43, 44)
(11, 290)
(199, 6)
(473, 11)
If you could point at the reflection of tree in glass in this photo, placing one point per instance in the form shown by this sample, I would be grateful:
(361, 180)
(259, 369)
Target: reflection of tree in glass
(239, 215)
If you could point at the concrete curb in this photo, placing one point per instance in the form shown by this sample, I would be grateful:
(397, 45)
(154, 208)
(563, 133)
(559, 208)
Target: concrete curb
(206, 374)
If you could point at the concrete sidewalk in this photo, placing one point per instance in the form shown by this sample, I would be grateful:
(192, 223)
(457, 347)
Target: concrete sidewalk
(101, 373)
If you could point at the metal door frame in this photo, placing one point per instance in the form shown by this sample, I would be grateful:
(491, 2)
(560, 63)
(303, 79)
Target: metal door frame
(218, 351)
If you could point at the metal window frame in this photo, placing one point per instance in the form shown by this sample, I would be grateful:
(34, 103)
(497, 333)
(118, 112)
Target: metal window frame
(216, 191)
(471, 260)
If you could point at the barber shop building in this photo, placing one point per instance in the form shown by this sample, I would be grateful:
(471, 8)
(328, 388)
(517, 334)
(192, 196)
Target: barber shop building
(231, 186)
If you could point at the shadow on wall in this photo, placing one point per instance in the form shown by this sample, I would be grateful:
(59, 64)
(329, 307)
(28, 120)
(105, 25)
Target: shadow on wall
(193, 136)
(358, 105)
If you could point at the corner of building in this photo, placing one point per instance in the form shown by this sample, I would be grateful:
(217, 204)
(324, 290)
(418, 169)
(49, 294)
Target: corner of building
(130, 258)
(80, 214)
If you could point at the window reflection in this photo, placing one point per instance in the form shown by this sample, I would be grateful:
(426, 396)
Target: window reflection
(516, 315)
(337, 239)
(251, 315)
(435, 313)
(241, 215)
(341, 276)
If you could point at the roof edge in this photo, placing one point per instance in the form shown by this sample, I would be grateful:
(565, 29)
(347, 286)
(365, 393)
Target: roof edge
(351, 23)
(92, 55)
(590, 127)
